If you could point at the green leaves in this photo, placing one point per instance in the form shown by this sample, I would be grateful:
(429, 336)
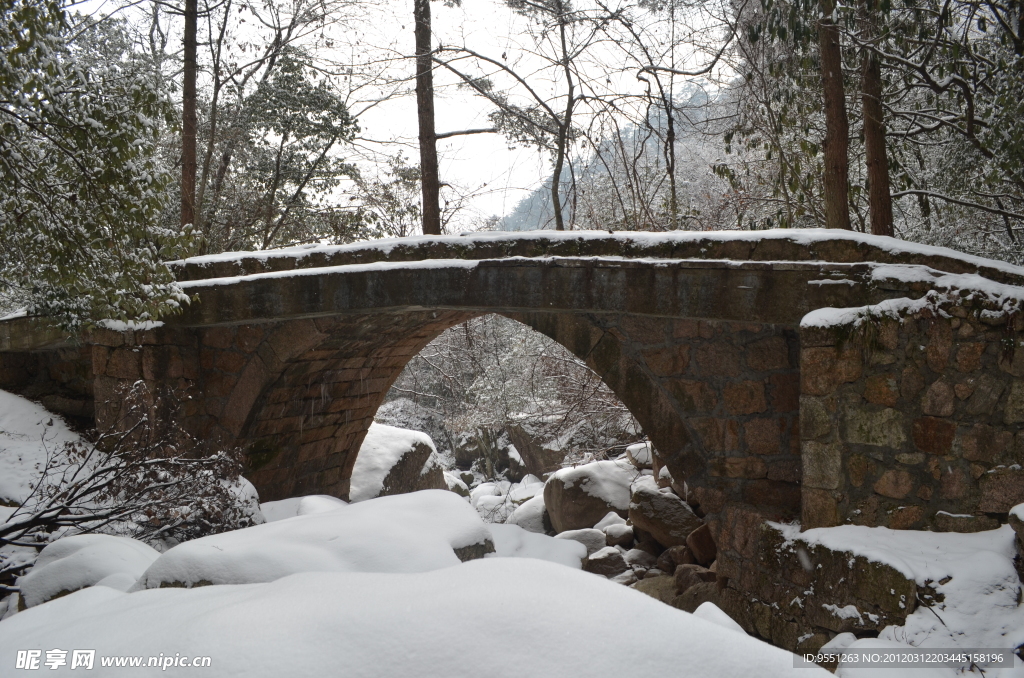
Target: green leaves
(82, 187)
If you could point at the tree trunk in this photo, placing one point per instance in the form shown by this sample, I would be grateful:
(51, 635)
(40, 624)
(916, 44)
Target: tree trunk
(188, 115)
(430, 182)
(879, 198)
(562, 143)
(837, 127)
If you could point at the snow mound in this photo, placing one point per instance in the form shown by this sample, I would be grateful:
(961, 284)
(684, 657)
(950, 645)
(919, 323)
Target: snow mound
(508, 617)
(512, 541)
(83, 560)
(300, 506)
(383, 447)
(411, 532)
(609, 481)
(27, 431)
(716, 615)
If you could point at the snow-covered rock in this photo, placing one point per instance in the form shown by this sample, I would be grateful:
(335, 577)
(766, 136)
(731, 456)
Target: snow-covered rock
(395, 460)
(498, 500)
(530, 515)
(413, 532)
(75, 562)
(608, 562)
(669, 519)
(508, 617)
(456, 484)
(580, 496)
(640, 455)
(593, 539)
(972, 573)
(512, 541)
(299, 506)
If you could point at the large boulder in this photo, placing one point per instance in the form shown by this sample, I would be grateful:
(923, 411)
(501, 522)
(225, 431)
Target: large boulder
(662, 514)
(395, 460)
(538, 458)
(688, 576)
(579, 497)
(531, 515)
(414, 532)
(702, 545)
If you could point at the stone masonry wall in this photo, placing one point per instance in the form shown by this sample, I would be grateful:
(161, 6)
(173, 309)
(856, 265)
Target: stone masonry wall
(915, 422)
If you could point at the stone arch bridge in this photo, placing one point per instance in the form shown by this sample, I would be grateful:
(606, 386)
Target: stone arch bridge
(904, 408)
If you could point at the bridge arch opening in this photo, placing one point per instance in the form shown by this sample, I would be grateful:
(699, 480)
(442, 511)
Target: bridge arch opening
(718, 399)
(501, 399)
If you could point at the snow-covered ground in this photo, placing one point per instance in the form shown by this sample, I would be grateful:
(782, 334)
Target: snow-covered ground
(499, 617)
(27, 433)
(379, 588)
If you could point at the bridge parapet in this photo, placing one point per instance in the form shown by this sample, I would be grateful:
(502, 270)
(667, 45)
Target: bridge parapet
(793, 245)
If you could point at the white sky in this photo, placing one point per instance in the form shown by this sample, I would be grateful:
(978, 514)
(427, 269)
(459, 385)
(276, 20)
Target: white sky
(481, 166)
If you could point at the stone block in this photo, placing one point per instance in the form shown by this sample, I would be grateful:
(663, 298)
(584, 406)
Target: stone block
(667, 361)
(953, 483)
(985, 444)
(934, 435)
(717, 360)
(948, 522)
(906, 517)
(692, 396)
(1001, 489)
(784, 391)
(661, 588)
(688, 576)
(771, 353)
(940, 342)
(819, 508)
(881, 389)
(738, 467)
(938, 399)
(968, 357)
(125, 363)
(815, 417)
(985, 393)
(895, 484)
(745, 397)
(823, 369)
(1014, 410)
(822, 464)
(911, 382)
(764, 436)
(861, 595)
(717, 435)
(870, 426)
